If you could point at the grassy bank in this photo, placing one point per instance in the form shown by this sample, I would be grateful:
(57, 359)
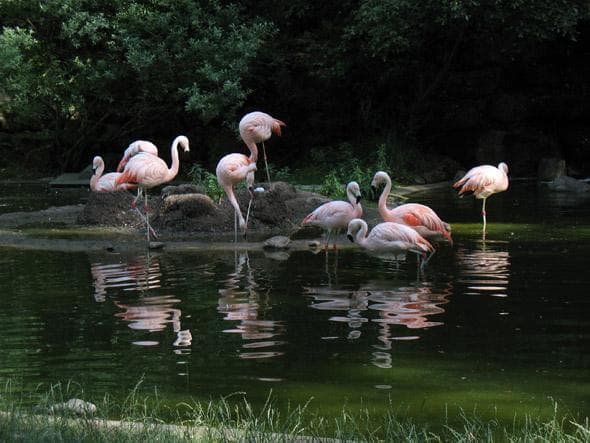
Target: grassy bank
(141, 417)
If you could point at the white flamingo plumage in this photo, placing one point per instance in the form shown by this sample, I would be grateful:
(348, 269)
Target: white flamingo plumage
(335, 215)
(484, 181)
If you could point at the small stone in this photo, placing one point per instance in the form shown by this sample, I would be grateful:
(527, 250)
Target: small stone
(277, 242)
(74, 405)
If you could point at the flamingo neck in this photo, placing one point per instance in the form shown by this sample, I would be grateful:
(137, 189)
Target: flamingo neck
(96, 177)
(361, 235)
(253, 151)
(175, 160)
(383, 211)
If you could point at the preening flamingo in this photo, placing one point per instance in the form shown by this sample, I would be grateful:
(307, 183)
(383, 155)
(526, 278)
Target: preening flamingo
(256, 127)
(484, 181)
(232, 169)
(419, 217)
(135, 148)
(388, 238)
(335, 215)
(148, 170)
(106, 182)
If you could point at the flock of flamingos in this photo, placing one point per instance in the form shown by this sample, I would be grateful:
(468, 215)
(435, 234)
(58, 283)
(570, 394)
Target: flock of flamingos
(406, 228)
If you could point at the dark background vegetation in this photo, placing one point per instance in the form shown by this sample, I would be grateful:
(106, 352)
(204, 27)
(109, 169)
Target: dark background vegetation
(420, 87)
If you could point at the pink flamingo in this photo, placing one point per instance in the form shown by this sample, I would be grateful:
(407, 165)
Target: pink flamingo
(256, 127)
(106, 182)
(335, 215)
(389, 238)
(419, 217)
(147, 170)
(135, 148)
(484, 181)
(232, 169)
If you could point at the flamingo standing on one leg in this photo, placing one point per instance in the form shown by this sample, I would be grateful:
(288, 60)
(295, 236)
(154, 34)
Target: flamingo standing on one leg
(484, 181)
(335, 215)
(389, 238)
(419, 217)
(232, 169)
(256, 127)
(147, 170)
(106, 182)
(135, 148)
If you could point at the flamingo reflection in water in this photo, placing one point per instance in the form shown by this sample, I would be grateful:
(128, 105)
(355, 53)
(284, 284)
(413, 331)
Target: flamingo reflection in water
(240, 301)
(409, 306)
(149, 313)
(484, 270)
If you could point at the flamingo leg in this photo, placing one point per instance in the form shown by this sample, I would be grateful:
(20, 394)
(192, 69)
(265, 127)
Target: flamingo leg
(147, 217)
(145, 221)
(427, 259)
(248, 215)
(328, 239)
(483, 214)
(266, 166)
(235, 226)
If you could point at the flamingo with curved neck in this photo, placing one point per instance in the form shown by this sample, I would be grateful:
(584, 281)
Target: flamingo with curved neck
(335, 215)
(257, 127)
(484, 181)
(415, 215)
(106, 182)
(388, 238)
(147, 170)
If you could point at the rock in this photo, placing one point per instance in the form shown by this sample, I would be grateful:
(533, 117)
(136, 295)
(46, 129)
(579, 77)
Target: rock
(191, 205)
(277, 242)
(568, 184)
(185, 188)
(551, 168)
(75, 406)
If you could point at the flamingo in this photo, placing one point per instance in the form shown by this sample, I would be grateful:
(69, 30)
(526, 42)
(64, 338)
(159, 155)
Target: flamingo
(256, 127)
(232, 169)
(335, 215)
(135, 148)
(484, 181)
(419, 217)
(389, 238)
(106, 182)
(147, 170)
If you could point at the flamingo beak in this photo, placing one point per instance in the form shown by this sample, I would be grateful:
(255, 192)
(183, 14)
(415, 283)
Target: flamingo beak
(374, 189)
(350, 237)
(251, 191)
(358, 199)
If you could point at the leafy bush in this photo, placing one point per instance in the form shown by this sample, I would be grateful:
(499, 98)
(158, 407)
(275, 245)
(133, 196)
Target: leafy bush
(208, 181)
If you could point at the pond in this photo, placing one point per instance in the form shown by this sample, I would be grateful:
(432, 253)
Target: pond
(499, 326)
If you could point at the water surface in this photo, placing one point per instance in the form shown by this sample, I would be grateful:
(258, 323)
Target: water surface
(499, 326)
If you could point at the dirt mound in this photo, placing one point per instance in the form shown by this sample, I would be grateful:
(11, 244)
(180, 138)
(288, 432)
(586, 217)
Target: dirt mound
(180, 210)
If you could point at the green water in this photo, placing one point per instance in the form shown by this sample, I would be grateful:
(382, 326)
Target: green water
(499, 326)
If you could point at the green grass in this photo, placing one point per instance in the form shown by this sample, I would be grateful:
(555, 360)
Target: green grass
(148, 417)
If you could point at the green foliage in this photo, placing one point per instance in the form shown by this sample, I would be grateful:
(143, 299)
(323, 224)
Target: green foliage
(76, 65)
(207, 181)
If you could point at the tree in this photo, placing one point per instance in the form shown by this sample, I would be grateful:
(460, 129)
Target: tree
(73, 68)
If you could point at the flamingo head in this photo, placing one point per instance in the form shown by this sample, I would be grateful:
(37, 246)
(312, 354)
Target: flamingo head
(276, 127)
(350, 237)
(503, 167)
(354, 189)
(183, 142)
(97, 162)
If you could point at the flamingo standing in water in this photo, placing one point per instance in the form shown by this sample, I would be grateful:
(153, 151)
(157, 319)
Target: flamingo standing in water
(147, 170)
(232, 169)
(419, 217)
(335, 215)
(135, 148)
(389, 238)
(256, 127)
(484, 181)
(106, 182)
